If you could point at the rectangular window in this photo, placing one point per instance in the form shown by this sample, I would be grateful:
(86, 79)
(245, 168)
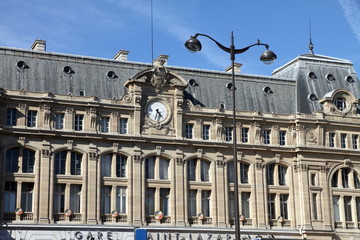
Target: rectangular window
(106, 161)
(313, 179)
(245, 135)
(11, 117)
(205, 167)
(164, 169)
(282, 175)
(105, 201)
(150, 201)
(78, 126)
(270, 174)
(331, 140)
(104, 124)
(59, 120)
(284, 205)
(12, 160)
(266, 136)
(75, 164)
(354, 140)
(10, 196)
(282, 138)
(343, 140)
(28, 161)
(228, 134)
(347, 205)
(123, 129)
(150, 168)
(191, 167)
(31, 119)
(121, 200)
(27, 196)
(245, 204)
(120, 166)
(336, 207)
(271, 205)
(205, 202)
(60, 160)
(231, 204)
(206, 132)
(75, 198)
(192, 203)
(244, 170)
(345, 177)
(189, 130)
(314, 206)
(164, 200)
(357, 199)
(59, 198)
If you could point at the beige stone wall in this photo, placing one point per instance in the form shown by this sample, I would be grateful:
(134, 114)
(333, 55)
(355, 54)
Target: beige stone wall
(309, 160)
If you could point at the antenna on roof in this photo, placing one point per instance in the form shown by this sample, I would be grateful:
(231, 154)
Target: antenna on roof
(152, 33)
(311, 45)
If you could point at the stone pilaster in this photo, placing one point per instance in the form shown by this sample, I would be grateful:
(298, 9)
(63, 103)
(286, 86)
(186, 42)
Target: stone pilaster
(44, 186)
(92, 185)
(179, 196)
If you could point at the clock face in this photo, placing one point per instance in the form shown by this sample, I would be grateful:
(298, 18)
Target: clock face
(157, 111)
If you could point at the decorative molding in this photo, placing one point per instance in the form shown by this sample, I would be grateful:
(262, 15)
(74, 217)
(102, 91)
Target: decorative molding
(220, 163)
(158, 150)
(199, 153)
(277, 158)
(22, 106)
(93, 156)
(21, 141)
(179, 161)
(259, 165)
(69, 110)
(115, 147)
(137, 158)
(45, 153)
(70, 144)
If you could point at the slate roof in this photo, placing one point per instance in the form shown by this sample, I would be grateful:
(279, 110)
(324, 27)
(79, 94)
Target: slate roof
(286, 91)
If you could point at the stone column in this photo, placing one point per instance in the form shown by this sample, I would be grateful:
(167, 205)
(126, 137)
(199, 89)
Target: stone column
(179, 186)
(325, 198)
(137, 190)
(69, 119)
(304, 196)
(260, 204)
(44, 188)
(92, 186)
(220, 191)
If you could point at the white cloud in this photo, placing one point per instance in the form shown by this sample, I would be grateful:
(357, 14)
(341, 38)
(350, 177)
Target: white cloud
(352, 13)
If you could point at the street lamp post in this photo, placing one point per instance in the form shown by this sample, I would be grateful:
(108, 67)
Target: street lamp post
(268, 57)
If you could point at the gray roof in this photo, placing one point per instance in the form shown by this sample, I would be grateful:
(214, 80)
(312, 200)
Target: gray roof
(319, 75)
(44, 72)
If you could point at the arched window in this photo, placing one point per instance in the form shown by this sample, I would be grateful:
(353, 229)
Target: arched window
(12, 160)
(162, 166)
(120, 163)
(244, 172)
(276, 174)
(198, 170)
(340, 103)
(345, 197)
(60, 162)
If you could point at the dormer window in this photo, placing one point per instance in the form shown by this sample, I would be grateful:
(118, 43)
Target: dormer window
(340, 103)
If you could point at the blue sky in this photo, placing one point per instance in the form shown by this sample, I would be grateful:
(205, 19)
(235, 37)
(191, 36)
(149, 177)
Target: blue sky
(100, 28)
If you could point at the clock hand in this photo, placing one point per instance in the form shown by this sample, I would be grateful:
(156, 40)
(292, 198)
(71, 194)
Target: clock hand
(158, 113)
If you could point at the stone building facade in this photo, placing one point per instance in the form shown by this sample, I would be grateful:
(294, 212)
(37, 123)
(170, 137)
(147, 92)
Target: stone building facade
(96, 148)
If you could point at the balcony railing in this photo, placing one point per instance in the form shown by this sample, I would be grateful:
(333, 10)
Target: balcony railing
(75, 217)
(196, 220)
(152, 219)
(9, 216)
(245, 222)
(109, 218)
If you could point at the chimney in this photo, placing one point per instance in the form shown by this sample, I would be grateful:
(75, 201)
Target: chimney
(237, 67)
(163, 58)
(39, 45)
(122, 55)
